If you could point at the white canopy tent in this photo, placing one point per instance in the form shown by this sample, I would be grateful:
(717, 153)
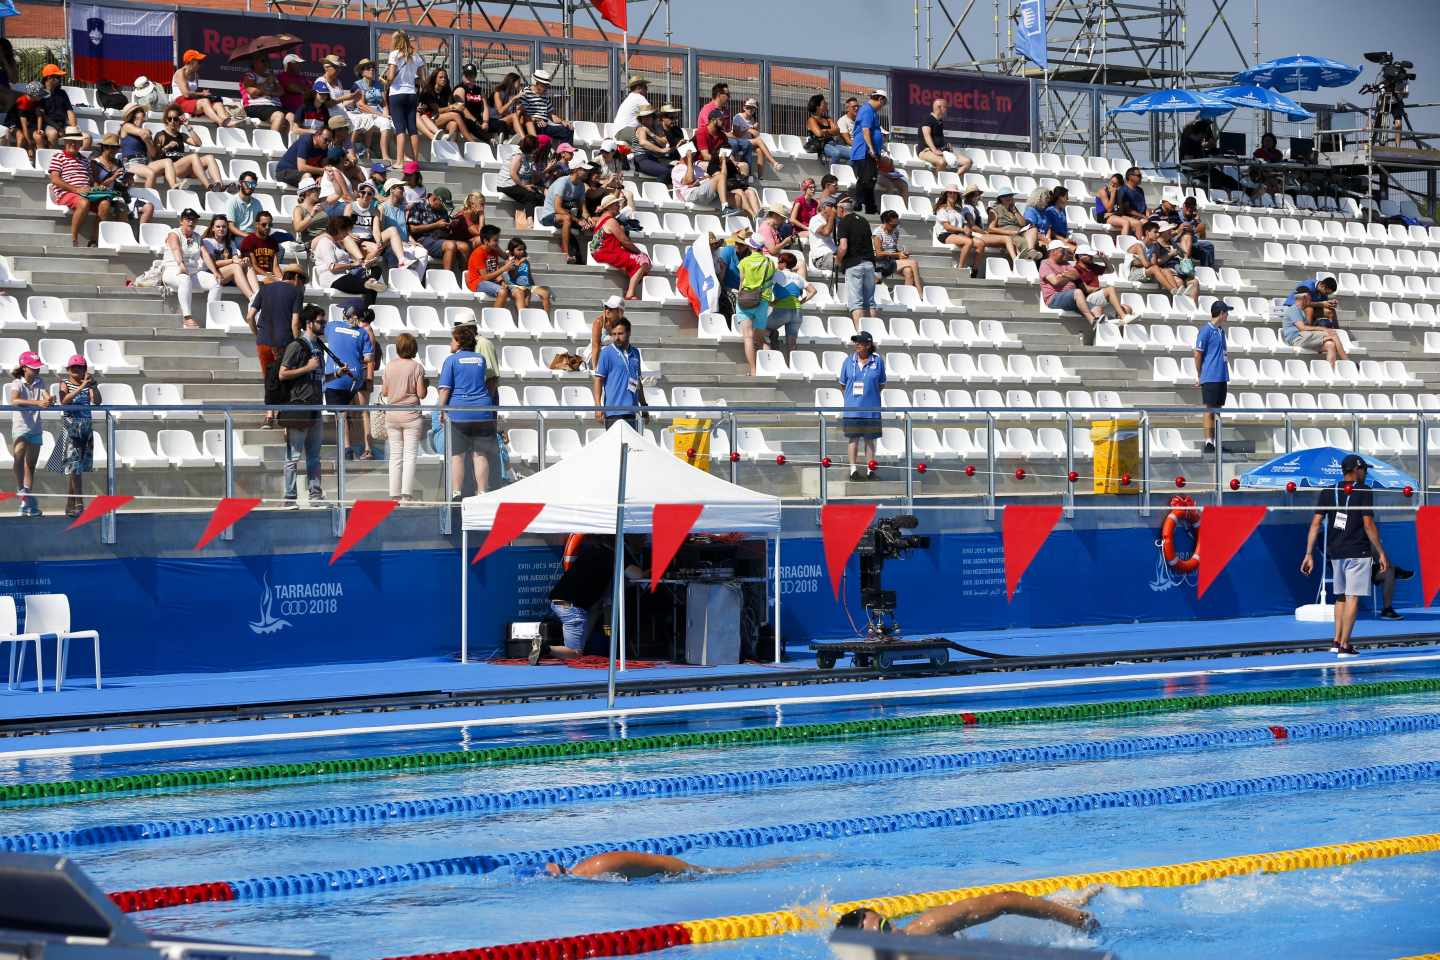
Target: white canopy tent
(584, 493)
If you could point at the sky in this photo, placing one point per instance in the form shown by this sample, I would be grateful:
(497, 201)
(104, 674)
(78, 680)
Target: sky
(1328, 27)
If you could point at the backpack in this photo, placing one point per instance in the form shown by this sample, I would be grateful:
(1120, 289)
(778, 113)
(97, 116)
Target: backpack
(281, 392)
(108, 95)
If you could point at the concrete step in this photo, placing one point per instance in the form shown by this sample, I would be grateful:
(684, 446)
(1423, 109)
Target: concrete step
(160, 365)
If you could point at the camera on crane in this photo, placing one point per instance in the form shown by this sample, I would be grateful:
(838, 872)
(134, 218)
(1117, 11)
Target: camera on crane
(886, 540)
(1395, 75)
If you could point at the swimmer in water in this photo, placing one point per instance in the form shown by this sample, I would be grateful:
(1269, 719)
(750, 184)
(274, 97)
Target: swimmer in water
(634, 865)
(973, 911)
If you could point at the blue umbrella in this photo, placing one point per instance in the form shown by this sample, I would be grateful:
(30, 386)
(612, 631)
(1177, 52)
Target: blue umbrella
(1299, 73)
(1249, 95)
(1320, 467)
(1174, 101)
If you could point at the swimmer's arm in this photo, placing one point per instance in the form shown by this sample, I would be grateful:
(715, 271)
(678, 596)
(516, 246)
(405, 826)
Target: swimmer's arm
(752, 867)
(942, 921)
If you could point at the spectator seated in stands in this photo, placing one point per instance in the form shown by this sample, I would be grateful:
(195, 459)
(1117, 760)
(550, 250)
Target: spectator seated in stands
(107, 173)
(934, 149)
(367, 115)
(610, 165)
(305, 156)
(71, 186)
(260, 93)
(414, 182)
(1269, 149)
(56, 109)
(1134, 205)
(188, 267)
(822, 134)
(1158, 262)
(774, 230)
(565, 210)
(431, 225)
(505, 114)
(307, 220)
(338, 264)
(137, 148)
(1302, 326)
(650, 152)
(1324, 309)
(803, 209)
(693, 186)
(611, 311)
(177, 143)
(719, 103)
(472, 103)
(745, 127)
(540, 115)
(1199, 139)
(627, 115)
(196, 100)
(519, 179)
(1060, 288)
(25, 123)
(1192, 234)
(232, 268)
(891, 257)
(522, 280)
(438, 116)
(1046, 213)
(488, 271)
(1089, 268)
(614, 248)
(261, 250)
(711, 138)
(1112, 208)
(244, 207)
(846, 123)
(369, 232)
(953, 229)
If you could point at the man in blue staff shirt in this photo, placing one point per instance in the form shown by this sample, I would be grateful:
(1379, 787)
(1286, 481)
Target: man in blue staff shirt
(861, 377)
(1351, 540)
(618, 389)
(351, 343)
(1212, 370)
(865, 150)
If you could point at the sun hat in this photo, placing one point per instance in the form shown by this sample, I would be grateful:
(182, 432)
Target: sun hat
(333, 61)
(779, 210)
(669, 108)
(541, 76)
(130, 108)
(635, 81)
(645, 112)
(565, 148)
(612, 199)
(685, 149)
(307, 183)
(607, 145)
(362, 63)
(73, 133)
(754, 242)
(392, 183)
(110, 140)
(32, 360)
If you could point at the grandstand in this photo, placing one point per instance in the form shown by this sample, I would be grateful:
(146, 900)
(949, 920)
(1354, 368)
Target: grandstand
(962, 350)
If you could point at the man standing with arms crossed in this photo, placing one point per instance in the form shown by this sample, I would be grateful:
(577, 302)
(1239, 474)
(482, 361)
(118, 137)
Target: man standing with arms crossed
(1349, 540)
(1212, 371)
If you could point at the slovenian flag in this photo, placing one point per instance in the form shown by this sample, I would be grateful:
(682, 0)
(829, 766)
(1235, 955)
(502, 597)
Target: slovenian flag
(696, 280)
(120, 44)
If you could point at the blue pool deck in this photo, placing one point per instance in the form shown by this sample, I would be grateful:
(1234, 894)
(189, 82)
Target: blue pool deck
(355, 680)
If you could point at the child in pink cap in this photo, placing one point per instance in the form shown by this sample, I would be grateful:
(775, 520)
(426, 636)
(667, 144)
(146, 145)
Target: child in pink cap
(26, 391)
(76, 392)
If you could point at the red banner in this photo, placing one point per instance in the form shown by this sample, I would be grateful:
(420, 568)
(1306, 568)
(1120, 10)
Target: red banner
(365, 516)
(1022, 531)
(1223, 531)
(1427, 534)
(226, 514)
(669, 527)
(614, 11)
(841, 527)
(511, 520)
(100, 506)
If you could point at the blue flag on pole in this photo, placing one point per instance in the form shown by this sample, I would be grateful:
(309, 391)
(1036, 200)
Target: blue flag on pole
(1030, 34)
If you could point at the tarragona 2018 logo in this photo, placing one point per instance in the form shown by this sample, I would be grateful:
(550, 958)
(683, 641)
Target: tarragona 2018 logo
(306, 599)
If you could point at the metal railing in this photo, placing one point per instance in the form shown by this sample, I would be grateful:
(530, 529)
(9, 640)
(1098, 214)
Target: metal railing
(981, 476)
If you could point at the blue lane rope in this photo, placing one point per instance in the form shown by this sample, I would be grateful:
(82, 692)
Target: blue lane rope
(328, 881)
(703, 783)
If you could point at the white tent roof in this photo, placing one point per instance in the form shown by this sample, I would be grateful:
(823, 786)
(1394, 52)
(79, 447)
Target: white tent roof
(579, 492)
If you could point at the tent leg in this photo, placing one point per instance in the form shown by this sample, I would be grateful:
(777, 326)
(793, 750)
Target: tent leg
(778, 646)
(617, 596)
(464, 598)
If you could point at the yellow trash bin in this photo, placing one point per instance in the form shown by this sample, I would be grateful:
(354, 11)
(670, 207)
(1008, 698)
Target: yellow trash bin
(693, 434)
(1117, 454)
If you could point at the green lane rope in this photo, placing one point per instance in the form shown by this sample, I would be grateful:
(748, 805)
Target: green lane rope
(67, 790)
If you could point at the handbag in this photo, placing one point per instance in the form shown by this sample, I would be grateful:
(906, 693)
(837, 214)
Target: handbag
(813, 144)
(379, 428)
(1185, 267)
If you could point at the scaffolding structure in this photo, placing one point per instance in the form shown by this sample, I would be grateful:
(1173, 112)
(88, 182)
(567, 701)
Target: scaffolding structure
(1100, 52)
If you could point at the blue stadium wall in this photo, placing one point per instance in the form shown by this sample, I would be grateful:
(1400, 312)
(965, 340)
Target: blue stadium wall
(270, 597)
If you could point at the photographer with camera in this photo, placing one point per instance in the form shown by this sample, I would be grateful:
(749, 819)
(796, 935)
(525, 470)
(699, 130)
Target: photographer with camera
(77, 392)
(862, 375)
(1390, 90)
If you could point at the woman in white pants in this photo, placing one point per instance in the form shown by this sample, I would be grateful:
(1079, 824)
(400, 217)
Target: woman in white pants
(188, 267)
(404, 385)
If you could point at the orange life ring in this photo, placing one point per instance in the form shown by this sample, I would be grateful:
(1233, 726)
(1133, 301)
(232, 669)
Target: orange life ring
(1167, 544)
(572, 549)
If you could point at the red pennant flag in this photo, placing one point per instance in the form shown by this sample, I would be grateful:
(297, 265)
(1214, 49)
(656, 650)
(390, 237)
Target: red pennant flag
(227, 513)
(614, 11)
(5, 495)
(100, 506)
(365, 516)
(669, 528)
(1022, 530)
(511, 520)
(841, 527)
(1223, 531)
(1427, 532)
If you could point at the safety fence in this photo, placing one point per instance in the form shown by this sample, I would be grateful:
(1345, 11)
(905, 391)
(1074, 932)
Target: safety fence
(700, 784)
(638, 940)
(245, 777)
(363, 877)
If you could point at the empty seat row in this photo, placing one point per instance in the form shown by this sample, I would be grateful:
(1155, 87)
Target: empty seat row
(172, 448)
(1247, 371)
(1314, 406)
(102, 355)
(1379, 441)
(923, 367)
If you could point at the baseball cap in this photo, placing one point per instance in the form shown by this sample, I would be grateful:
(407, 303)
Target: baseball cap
(354, 309)
(752, 102)
(411, 166)
(446, 197)
(1086, 252)
(565, 148)
(469, 69)
(614, 302)
(1219, 307)
(32, 360)
(192, 56)
(51, 70)
(366, 185)
(607, 145)
(755, 243)
(76, 361)
(379, 167)
(862, 337)
(291, 58)
(1056, 245)
(189, 214)
(1302, 289)
(880, 93)
(1353, 461)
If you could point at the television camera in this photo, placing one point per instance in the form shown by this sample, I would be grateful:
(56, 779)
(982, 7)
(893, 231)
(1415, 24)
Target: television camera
(1389, 89)
(885, 540)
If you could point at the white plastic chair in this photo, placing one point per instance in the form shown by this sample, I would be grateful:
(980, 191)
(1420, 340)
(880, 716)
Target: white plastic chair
(10, 633)
(179, 447)
(49, 613)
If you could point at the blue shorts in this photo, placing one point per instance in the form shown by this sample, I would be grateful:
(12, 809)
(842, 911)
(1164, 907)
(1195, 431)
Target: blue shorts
(36, 438)
(402, 112)
(1064, 300)
(759, 317)
(489, 287)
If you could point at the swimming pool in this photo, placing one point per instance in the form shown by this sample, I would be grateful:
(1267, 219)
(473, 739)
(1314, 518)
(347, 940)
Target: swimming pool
(1004, 786)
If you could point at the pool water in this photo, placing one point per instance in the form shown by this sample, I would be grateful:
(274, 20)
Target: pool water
(1380, 908)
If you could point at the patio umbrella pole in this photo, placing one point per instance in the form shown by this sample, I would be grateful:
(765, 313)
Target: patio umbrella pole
(617, 598)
